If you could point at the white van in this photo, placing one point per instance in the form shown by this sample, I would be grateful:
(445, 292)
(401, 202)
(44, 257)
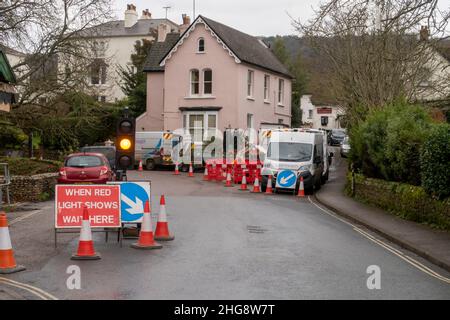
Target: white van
(155, 148)
(327, 155)
(296, 150)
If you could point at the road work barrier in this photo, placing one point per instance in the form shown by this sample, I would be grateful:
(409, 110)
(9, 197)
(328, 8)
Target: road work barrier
(146, 239)
(162, 226)
(7, 262)
(86, 249)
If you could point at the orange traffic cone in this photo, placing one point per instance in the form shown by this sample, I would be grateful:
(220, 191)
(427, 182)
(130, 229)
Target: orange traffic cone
(177, 171)
(7, 261)
(256, 188)
(206, 176)
(191, 170)
(86, 249)
(228, 182)
(269, 189)
(244, 182)
(140, 166)
(162, 227)
(213, 175)
(146, 240)
(301, 188)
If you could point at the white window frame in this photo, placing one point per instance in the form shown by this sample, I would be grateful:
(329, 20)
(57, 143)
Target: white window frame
(281, 87)
(205, 115)
(191, 93)
(251, 117)
(267, 88)
(198, 45)
(250, 84)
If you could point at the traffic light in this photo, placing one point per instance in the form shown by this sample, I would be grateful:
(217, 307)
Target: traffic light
(125, 141)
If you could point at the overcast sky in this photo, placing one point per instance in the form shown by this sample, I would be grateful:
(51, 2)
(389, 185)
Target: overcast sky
(256, 17)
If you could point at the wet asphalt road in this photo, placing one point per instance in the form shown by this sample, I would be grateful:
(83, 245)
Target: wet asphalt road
(228, 245)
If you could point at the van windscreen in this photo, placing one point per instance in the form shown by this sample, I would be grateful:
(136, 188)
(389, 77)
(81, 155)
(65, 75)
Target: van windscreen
(289, 151)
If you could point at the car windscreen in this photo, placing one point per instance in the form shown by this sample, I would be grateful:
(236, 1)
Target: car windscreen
(84, 162)
(346, 140)
(289, 151)
(338, 133)
(109, 153)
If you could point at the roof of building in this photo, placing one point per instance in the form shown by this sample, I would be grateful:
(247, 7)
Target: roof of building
(158, 51)
(6, 72)
(117, 28)
(248, 49)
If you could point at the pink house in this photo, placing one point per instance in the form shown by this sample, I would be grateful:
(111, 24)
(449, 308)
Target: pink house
(214, 77)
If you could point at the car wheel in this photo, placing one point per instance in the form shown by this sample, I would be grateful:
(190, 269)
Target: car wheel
(184, 168)
(150, 165)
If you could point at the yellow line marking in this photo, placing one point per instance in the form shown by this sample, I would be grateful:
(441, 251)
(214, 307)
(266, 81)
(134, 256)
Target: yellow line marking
(384, 245)
(34, 290)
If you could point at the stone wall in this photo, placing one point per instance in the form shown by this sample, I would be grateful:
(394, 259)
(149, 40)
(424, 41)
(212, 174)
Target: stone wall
(32, 188)
(404, 200)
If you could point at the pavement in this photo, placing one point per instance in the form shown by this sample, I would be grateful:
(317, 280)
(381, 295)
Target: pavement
(431, 244)
(228, 245)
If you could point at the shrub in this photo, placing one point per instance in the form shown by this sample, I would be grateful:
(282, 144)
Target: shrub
(387, 144)
(435, 162)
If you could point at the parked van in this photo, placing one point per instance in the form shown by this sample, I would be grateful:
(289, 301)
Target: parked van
(155, 148)
(327, 155)
(296, 150)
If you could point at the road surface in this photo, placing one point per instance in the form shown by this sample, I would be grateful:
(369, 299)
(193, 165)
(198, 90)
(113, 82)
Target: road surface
(228, 245)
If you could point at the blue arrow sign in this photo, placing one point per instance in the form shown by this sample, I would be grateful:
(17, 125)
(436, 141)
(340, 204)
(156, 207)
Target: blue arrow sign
(133, 197)
(286, 179)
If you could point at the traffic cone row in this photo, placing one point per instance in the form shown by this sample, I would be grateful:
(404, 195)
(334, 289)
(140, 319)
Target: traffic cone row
(7, 262)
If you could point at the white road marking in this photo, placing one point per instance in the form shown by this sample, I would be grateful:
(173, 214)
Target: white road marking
(36, 291)
(384, 245)
(25, 217)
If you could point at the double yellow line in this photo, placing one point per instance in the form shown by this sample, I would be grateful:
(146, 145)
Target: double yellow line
(33, 290)
(391, 249)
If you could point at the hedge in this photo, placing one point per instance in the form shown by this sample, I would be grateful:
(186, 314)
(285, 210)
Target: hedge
(404, 200)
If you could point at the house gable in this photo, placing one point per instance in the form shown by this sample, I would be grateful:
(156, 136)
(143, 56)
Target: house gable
(186, 35)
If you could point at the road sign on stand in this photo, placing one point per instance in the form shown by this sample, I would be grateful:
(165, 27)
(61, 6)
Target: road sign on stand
(286, 179)
(133, 195)
(102, 201)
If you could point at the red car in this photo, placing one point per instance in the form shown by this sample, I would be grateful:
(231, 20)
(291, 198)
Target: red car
(80, 168)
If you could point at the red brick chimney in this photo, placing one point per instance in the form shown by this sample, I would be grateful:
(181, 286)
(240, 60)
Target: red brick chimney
(424, 33)
(186, 23)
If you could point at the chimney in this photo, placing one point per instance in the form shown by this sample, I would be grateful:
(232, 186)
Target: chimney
(424, 33)
(146, 14)
(186, 23)
(163, 31)
(131, 16)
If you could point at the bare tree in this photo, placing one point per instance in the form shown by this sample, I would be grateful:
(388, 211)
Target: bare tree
(373, 50)
(56, 37)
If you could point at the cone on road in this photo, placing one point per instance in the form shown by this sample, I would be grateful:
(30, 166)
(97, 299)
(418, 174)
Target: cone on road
(7, 262)
(214, 173)
(162, 227)
(301, 188)
(269, 189)
(191, 170)
(244, 182)
(177, 170)
(256, 188)
(146, 240)
(86, 249)
(206, 175)
(228, 183)
(140, 166)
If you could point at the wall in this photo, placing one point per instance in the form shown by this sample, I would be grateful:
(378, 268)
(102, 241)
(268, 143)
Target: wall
(152, 119)
(264, 111)
(32, 188)
(177, 80)
(407, 201)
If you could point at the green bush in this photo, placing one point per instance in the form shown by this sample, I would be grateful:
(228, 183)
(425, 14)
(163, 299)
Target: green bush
(387, 144)
(435, 162)
(26, 166)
